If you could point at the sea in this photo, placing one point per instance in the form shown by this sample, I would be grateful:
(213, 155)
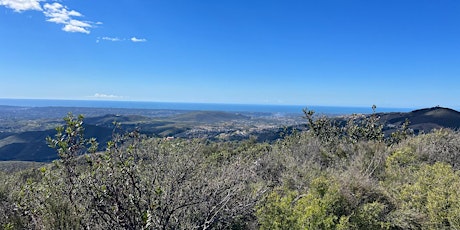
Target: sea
(259, 108)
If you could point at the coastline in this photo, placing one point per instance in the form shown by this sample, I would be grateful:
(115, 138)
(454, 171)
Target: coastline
(283, 109)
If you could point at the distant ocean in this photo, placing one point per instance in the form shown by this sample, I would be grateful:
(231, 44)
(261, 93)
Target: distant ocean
(285, 109)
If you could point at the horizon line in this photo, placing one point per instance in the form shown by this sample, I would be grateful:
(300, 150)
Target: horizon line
(154, 101)
(222, 103)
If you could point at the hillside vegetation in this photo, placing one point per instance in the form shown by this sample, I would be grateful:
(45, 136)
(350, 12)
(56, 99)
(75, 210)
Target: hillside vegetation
(336, 175)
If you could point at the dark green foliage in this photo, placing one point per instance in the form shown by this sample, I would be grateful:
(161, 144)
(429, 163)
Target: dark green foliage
(357, 128)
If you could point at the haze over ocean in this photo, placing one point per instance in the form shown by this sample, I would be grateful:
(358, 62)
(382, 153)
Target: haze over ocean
(336, 110)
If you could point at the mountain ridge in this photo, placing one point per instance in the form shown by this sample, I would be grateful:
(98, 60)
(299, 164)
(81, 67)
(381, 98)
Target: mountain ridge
(424, 120)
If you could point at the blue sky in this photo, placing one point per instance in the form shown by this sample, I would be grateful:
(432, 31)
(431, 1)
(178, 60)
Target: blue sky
(392, 53)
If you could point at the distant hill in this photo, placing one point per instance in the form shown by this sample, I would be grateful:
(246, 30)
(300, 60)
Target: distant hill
(109, 119)
(32, 146)
(424, 119)
(209, 116)
(27, 146)
(15, 166)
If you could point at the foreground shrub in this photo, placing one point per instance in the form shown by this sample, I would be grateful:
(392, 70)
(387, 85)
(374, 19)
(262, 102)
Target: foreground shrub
(427, 196)
(141, 183)
(326, 205)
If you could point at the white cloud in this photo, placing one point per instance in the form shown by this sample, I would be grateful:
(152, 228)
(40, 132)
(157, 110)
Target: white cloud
(105, 96)
(134, 39)
(59, 14)
(75, 29)
(54, 12)
(116, 39)
(111, 39)
(22, 5)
